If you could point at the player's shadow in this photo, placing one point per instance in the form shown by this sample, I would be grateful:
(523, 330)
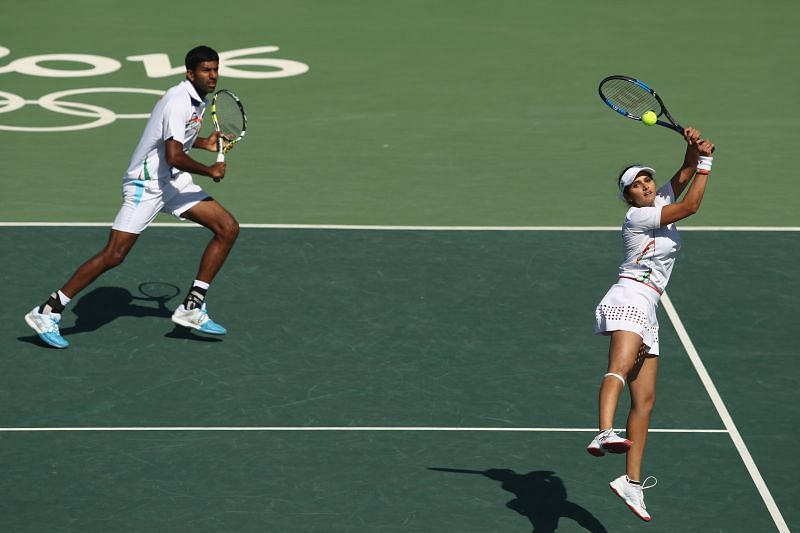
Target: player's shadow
(541, 497)
(103, 305)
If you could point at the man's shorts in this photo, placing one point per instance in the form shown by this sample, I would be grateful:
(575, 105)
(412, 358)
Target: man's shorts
(142, 200)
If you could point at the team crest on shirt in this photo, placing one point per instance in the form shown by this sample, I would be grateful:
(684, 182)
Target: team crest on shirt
(650, 245)
(193, 124)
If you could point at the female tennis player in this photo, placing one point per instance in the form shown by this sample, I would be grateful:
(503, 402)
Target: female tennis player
(627, 313)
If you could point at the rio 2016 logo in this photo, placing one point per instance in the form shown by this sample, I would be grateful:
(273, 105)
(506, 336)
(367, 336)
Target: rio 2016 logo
(155, 66)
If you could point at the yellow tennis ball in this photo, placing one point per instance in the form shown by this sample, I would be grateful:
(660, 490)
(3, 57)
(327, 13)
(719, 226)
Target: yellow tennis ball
(649, 118)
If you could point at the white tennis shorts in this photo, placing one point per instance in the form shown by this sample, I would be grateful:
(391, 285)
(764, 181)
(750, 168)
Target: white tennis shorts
(629, 306)
(142, 200)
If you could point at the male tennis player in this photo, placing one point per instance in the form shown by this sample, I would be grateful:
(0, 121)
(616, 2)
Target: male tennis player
(159, 179)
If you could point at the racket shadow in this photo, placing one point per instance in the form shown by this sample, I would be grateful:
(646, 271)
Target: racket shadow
(540, 496)
(103, 305)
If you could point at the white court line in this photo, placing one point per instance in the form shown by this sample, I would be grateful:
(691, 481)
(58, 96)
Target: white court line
(727, 420)
(335, 428)
(400, 228)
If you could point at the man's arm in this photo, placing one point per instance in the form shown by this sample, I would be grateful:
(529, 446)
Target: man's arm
(207, 143)
(178, 159)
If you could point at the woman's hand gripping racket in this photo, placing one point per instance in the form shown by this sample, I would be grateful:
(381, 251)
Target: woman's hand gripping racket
(632, 98)
(230, 121)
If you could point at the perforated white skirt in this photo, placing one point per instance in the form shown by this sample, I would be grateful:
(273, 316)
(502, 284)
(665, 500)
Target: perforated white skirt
(629, 306)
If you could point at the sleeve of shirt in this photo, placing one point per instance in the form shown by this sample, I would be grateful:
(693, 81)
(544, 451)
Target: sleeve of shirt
(648, 218)
(643, 218)
(174, 124)
(665, 194)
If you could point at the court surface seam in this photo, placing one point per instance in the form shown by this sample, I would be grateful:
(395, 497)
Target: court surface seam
(722, 410)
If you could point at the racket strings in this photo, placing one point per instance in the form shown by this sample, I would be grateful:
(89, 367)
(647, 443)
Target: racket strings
(159, 290)
(229, 116)
(630, 97)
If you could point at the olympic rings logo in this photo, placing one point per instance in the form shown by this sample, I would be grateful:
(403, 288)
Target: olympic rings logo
(102, 116)
(155, 66)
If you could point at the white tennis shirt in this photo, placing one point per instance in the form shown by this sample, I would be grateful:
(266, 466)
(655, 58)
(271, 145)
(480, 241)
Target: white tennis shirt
(177, 115)
(650, 249)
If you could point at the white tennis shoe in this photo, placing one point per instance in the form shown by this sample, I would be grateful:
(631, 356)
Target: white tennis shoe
(198, 319)
(46, 326)
(608, 441)
(633, 494)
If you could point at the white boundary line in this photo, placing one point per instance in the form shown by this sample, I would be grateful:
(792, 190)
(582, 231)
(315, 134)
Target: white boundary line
(736, 437)
(334, 428)
(402, 228)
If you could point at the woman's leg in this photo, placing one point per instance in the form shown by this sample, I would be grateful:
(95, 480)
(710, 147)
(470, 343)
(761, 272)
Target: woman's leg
(622, 354)
(642, 384)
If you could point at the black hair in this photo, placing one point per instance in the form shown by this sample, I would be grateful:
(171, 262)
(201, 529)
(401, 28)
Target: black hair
(198, 54)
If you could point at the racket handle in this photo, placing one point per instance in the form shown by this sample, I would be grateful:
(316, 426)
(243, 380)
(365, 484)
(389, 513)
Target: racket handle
(220, 157)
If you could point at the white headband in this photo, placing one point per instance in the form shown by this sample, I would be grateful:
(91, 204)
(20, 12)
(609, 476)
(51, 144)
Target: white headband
(630, 175)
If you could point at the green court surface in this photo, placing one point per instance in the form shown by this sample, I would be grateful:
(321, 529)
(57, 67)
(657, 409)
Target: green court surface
(404, 378)
(355, 331)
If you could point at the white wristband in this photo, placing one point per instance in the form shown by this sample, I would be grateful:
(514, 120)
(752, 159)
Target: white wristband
(704, 164)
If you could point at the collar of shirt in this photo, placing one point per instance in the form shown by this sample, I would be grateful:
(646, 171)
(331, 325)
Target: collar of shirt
(189, 88)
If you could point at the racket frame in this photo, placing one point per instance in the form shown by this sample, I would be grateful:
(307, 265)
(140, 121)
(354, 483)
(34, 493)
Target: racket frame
(160, 299)
(223, 148)
(173, 290)
(670, 123)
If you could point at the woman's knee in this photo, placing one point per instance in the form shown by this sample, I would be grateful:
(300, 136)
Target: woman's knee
(622, 365)
(644, 402)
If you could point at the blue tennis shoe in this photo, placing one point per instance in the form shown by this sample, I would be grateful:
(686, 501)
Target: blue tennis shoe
(197, 318)
(46, 326)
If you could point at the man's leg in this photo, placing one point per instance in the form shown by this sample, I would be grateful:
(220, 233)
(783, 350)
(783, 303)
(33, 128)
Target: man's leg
(112, 255)
(44, 319)
(210, 214)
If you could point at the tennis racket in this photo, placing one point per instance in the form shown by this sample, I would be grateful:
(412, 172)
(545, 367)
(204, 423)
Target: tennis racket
(632, 98)
(229, 119)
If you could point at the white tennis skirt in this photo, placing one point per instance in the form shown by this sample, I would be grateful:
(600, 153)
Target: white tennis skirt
(629, 306)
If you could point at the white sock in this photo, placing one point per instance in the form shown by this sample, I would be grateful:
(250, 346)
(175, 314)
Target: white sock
(63, 298)
(201, 284)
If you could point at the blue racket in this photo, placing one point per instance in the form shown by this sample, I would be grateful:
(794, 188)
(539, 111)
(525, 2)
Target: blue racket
(632, 98)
